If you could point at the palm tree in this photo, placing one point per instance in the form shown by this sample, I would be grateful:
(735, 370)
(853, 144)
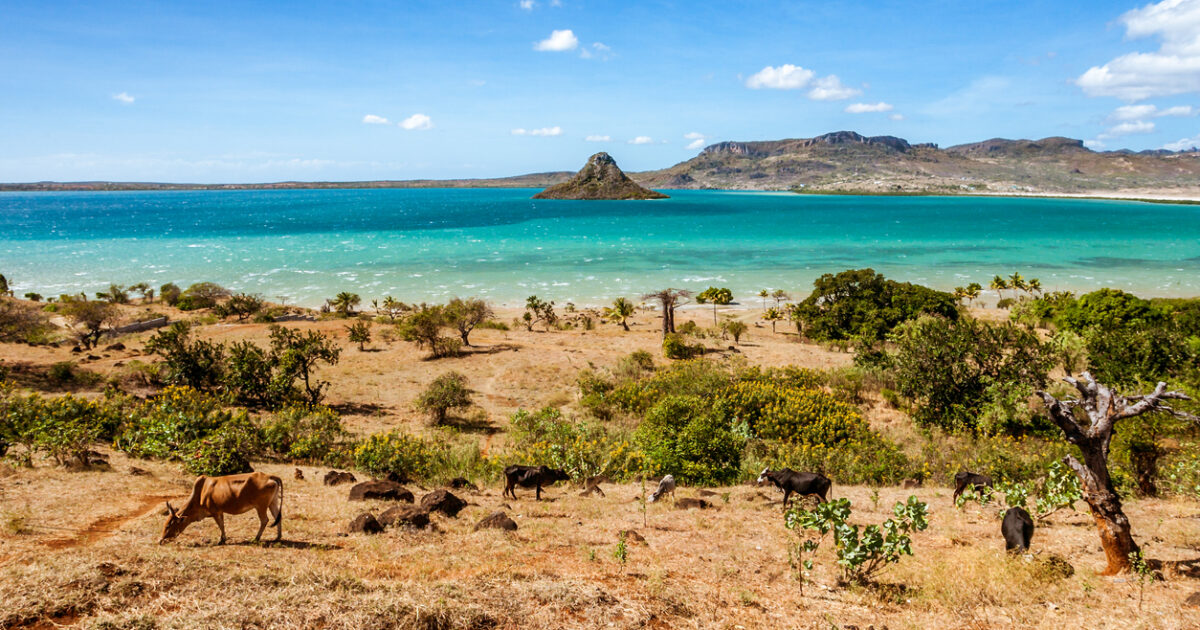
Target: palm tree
(621, 310)
(345, 302)
(972, 292)
(773, 315)
(998, 284)
(1035, 286)
(959, 294)
(780, 294)
(1017, 283)
(763, 294)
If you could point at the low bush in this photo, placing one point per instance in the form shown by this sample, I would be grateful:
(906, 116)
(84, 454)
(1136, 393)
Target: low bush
(861, 555)
(163, 426)
(682, 436)
(395, 452)
(789, 414)
(225, 451)
(301, 433)
(582, 449)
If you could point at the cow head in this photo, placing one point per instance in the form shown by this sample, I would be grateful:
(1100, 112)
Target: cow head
(554, 474)
(176, 523)
(762, 476)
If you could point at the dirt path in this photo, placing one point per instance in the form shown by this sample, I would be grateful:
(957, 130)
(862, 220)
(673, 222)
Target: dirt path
(104, 527)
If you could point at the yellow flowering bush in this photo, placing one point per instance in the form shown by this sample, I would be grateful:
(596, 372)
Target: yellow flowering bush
(773, 411)
(582, 449)
(395, 452)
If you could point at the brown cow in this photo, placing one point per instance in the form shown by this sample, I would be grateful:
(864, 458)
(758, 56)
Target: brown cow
(231, 494)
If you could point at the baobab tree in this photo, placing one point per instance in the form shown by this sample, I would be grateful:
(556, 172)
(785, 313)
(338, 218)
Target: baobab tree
(668, 299)
(1103, 408)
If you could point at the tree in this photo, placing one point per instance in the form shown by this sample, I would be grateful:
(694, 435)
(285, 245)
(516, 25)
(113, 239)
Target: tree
(446, 392)
(773, 315)
(536, 311)
(465, 315)
(861, 304)
(21, 322)
(33, 297)
(736, 328)
(780, 295)
(972, 292)
(424, 327)
(4, 288)
(620, 311)
(169, 293)
(391, 308)
(197, 364)
(89, 320)
(1103, 409)
(360, 333)
(143, 289)
(201, 295)
(962, 374)
(345, 302)
(763, 294)
(998, 285)
(1017, 283)
(297, 355)
(242, 306)
(116, 294)
(716, 297)
(668, 299)
(1034, 286)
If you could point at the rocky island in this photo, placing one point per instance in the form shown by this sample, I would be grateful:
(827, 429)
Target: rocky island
(600, 178)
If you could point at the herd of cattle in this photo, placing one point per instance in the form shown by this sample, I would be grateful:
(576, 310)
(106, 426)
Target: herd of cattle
(214, 497)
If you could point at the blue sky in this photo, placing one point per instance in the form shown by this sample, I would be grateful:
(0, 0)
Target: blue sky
(249, 92)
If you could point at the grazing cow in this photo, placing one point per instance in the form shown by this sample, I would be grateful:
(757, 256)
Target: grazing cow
(531, 477)
(1017, 529)
(976, 482)
(802, 483)
(232, 494)
(666, 486)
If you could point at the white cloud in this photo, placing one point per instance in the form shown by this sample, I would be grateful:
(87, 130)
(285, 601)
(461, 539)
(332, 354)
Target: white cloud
(1173, 69)
(1126, 128)
(124, 97)
(600, 50)
(830, 88)
(417, 121)
(697, 139)
(896, 116)
(372, 119)
(527, 4)
(1184, 144)
(642, 140)
(785, 77)
(865, 108)
(1141, 112)
(544, 131)
(698, 143)
(558, 41)
(598, 138)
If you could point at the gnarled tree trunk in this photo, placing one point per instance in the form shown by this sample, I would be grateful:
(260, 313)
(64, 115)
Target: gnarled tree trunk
(1103, 409)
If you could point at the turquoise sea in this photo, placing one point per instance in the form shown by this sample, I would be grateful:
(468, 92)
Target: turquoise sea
(431, 244)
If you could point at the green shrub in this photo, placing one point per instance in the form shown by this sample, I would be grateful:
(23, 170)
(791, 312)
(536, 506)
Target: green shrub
(545, 437)
(861, 556)
(776, 412)
(163, 426)
(675, 347)
(446, 392)
(200, 295)
(300, 433)
(870, 460)
(169, 293)
(682, 436)
(395, 452)
(863, 304)
(226, 451)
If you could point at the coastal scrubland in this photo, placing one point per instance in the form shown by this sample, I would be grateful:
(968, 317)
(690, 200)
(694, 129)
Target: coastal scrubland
(889, 396)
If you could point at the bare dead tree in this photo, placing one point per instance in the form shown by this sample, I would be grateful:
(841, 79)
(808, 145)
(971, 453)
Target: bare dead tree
(668, 298)
(1102, 409)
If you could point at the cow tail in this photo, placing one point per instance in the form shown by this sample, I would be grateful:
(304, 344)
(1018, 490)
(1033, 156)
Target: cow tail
(279, 514)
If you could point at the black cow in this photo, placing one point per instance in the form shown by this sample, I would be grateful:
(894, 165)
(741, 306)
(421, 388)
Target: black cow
(976, 482)
(530, 477)
(802, 483)
(1017, 529)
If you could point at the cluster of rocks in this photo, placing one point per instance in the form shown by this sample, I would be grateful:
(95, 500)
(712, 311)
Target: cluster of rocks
(415, 516)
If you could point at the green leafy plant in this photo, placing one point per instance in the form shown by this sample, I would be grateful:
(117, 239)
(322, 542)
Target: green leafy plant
(1141, 572)
(360, 333)
(861, 554)
(621, 551)
(446, 392)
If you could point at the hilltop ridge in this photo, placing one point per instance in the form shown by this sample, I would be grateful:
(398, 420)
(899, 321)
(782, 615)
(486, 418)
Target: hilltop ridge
(599, 179)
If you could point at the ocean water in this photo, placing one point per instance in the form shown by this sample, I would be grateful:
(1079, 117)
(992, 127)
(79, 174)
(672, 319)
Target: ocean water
(432, 244)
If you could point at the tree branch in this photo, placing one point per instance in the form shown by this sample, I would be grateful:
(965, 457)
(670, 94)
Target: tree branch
(1060, 413)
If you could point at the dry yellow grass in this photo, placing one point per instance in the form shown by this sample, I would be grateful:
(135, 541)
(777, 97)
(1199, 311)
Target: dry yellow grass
(724, 567)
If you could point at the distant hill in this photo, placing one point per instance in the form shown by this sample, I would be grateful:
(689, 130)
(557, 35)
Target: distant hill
(845, 161)
(532, 180)
(599, 179)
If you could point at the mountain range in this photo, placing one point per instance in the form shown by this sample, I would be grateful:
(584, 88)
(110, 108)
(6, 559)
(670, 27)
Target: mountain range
(842, 162)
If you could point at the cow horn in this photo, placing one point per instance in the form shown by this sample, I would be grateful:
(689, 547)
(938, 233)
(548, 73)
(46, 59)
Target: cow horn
(170, 509)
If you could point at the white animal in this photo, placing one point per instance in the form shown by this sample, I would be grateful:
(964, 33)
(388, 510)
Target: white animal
(666, 486)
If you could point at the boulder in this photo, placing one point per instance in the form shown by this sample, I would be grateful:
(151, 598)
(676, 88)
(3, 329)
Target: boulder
(404, 516)
(909, 484)
(115, 347)
(443, 501)
(365, 523)
(462, 483)
(336, 477)
(1193, 600)
(380, 490)
(497, 520)
(687, 503)
(632, 536)
(299, 475)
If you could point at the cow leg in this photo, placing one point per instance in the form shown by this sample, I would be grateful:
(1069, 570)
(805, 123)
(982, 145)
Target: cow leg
(262, 522)
(958, 489)
(787, 494)
(539, 492)
(277, 514)
(220, 519)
